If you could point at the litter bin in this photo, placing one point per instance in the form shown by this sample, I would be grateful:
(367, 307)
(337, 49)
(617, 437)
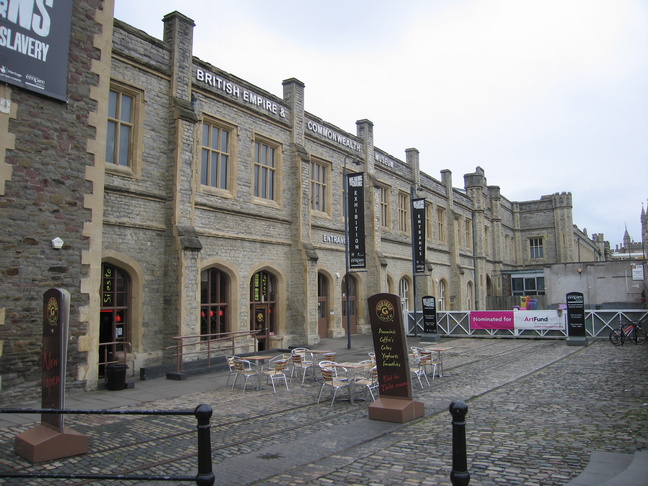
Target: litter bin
(116, 376)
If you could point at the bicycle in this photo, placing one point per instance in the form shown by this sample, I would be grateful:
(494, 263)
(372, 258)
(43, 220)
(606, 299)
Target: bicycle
(628, 332)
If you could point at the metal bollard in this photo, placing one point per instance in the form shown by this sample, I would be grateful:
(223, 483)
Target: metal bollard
(459, 476)
(205, 473)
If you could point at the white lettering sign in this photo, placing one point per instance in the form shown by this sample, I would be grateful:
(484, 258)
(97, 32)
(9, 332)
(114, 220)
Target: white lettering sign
(384, 160)
(334, 239)
(232, 89)
(333, 136)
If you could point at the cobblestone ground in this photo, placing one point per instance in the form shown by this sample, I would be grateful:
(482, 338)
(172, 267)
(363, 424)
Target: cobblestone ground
(537, 409)
(539, 429)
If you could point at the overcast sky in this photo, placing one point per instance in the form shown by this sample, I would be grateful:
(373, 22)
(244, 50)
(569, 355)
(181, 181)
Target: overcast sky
(545, 95)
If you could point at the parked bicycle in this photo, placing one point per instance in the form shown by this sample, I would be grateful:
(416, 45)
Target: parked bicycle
(628, 331)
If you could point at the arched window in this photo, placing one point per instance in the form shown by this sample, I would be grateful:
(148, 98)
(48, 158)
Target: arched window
(114, 322)
(469, 296)
(404, 293)
(263, 300)
(441, 299)
(214, 292)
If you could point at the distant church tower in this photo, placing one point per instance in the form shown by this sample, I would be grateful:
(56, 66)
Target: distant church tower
(644, 230)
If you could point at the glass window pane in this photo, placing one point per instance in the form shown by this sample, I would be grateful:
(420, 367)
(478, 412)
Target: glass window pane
(214, 169)
(517, 284)
(205, 136)
(112, 105)
(124, 145)
(126, 104)
(223, 172)
(224, 141)
(110, 142)
(529, 284)
(204, 167)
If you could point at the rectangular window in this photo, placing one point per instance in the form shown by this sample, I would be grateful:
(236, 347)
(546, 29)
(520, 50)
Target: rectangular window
(535, 248)
(441, 225)
(215, 161)
(120, 129)
(403, 211)
(468, 225)
(383, 200)
(487, 241)
(522, 286)
(429, 223)
(265, 171)
(458, 231)
(319, 186)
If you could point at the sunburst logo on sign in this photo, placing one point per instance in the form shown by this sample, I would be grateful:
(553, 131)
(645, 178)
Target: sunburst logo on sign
(52, 311)
(385, 311)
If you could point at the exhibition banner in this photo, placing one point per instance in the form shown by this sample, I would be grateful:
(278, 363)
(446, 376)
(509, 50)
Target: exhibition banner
(356, 220)
(418, 234)
(522, 320)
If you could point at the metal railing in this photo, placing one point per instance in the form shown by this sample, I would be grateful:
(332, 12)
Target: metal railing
(203, 413)
(119, 356)
(208, 346)
(598, 323)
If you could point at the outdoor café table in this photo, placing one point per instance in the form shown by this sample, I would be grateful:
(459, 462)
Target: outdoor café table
(353, 368)
(438, 350)
(258, 361)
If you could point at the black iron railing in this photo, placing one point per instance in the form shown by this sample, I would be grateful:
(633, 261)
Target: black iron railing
(203, 413)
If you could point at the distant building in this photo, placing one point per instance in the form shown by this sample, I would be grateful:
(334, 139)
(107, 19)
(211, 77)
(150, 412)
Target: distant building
(630, 249)
(192, 202)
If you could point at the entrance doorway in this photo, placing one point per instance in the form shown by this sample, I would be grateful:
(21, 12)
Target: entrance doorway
(262, 307)
(322, 305)
(114, 319)
(353, 308)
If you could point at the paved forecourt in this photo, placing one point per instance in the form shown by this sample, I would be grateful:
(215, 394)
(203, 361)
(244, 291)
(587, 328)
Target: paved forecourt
(537, 411)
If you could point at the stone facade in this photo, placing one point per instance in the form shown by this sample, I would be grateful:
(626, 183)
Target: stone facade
(277, 256)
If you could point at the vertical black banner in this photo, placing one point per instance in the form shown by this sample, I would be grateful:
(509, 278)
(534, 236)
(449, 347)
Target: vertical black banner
(355, 220)
(429, 315)
(418, 234)
(575, 314)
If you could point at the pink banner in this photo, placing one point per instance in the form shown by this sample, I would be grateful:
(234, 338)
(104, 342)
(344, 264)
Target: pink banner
(492, 320)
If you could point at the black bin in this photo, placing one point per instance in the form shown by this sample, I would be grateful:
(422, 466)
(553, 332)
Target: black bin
(116, 376)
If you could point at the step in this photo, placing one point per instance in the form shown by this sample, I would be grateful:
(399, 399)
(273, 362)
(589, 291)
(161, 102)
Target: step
(636, 474)
(613, 469)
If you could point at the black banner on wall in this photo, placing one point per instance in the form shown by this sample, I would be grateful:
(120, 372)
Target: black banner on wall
(355, 220)
(418, 234)
(34, 45)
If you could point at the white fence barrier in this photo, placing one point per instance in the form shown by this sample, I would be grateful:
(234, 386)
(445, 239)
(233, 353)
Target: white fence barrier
(598, 324)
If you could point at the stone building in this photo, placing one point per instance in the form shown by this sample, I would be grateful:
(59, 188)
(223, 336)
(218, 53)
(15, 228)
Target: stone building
(192, 202)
